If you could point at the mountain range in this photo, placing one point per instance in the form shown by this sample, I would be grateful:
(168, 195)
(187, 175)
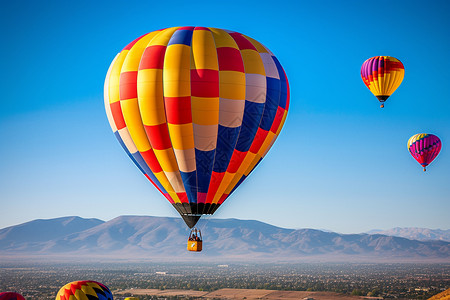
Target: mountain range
(164, 239)
(415, 233)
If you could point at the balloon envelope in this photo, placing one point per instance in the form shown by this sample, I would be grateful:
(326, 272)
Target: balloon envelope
(382, 75)
(424, 148)
(11, 296)
(196, 109)
(85, 289)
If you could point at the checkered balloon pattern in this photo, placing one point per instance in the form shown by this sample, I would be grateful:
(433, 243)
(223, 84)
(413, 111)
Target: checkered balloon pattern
(196, 109)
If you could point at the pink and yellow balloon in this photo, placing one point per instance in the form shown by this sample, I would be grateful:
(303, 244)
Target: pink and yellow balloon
(424, 148)
(382, 75)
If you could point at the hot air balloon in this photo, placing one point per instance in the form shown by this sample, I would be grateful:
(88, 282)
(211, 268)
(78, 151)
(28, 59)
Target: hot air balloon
(11, 296)
(86, 289)
(131, 298)
(424, 148)
(196, 109)
(382, 75)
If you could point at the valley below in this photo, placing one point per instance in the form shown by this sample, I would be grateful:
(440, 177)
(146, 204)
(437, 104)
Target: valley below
(230, 280)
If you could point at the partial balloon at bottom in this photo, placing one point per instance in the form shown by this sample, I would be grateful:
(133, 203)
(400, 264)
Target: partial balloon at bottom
(85, 289)
(11, 296)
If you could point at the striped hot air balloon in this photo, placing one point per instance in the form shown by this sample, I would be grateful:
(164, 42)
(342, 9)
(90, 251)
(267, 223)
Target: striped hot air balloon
(424, 148)
(382, 75)
(11, 296)
(196, 109)
(86, 289)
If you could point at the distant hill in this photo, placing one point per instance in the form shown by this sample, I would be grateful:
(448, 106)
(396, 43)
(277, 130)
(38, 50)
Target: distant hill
(415, 233)
(162, 238)
(26, 235)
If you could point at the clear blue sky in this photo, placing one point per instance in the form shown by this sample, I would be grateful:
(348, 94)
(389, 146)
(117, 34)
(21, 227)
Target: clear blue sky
(340, 162)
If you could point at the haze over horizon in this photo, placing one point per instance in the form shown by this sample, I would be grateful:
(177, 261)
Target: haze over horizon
(340, 162)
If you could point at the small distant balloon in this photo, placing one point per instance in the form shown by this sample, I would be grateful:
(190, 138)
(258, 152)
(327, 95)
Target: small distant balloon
(382, 75)
(424, 148)
(11, 296)
(131, 298)
(85, 289)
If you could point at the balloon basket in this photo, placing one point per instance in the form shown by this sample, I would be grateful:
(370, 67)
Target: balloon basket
(195, 242)
(194, 246)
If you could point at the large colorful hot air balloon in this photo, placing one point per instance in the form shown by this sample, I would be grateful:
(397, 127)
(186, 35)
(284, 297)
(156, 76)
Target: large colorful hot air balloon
(382, 75)
(11, 296)
(424, 148)
(196, 109)
(87, 289)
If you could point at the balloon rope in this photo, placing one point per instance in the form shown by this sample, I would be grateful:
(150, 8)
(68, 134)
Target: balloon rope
(207, 218)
